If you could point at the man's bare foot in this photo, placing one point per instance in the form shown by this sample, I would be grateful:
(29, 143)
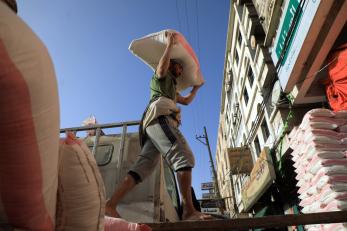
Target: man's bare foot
(111, 211)
(197, 216)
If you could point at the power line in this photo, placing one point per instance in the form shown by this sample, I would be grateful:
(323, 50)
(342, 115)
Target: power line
(199, 54)
(178, 16)
(199, 105)
(198, 111)
(187, 21)
(197, 27)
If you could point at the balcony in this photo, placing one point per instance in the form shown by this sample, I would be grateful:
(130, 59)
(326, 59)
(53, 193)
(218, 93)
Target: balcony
(253, 24)
(269, 12)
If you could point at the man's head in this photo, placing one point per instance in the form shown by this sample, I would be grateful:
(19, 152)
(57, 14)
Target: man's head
(176, 67)
(12, 4)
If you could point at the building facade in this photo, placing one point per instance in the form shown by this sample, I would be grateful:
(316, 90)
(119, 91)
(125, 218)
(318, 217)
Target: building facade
(273, 49)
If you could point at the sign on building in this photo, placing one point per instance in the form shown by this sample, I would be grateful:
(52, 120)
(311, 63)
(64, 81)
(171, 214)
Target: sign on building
(209, 204)
(261, 178)
(290, 46)
(240, 160)
(207, 186)
(212, 203)
(210, 210)
(208, 195)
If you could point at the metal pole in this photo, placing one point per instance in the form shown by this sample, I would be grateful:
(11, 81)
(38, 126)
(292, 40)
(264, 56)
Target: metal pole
(214, 175)
(96, 142)
(121, 151)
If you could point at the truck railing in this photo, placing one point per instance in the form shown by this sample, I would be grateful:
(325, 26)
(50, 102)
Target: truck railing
(98, 128)
(101, 126)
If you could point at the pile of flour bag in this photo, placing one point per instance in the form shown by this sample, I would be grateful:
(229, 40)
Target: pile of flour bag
(320, 159)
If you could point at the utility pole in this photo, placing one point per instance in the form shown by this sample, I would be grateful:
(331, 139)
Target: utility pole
(214, 174)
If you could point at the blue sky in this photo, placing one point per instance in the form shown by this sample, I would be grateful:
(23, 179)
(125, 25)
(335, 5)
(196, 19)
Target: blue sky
(88, 41)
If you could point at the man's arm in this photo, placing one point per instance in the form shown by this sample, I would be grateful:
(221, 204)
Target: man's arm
(185, 100)
(164, 61)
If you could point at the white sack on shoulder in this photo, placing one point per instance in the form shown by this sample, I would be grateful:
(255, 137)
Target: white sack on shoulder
(151, 47)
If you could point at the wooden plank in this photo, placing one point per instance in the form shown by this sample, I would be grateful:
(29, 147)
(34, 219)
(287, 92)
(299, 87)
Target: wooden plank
(256, 222)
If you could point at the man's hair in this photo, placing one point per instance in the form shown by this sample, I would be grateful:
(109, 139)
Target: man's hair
(12, 4)
(176, 61)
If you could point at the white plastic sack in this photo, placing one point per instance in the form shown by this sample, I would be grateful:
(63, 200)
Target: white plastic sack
(335, 227)
(81, 193)
(341, 114)
(151, 47)
(320, 112)
(29, 124)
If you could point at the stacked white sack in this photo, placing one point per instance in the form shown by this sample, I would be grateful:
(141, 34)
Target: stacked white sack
(319, 153)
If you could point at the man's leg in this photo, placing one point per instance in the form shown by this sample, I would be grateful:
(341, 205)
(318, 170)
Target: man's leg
(185, 182)
(126, 186)
(175, 149)
(144, 165)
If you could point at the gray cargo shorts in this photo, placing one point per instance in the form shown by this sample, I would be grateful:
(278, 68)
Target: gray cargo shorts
(163, 137)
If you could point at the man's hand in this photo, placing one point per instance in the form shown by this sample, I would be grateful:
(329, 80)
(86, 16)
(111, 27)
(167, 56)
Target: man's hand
(164, 61)
(196, 87)
(185, 100)
(172, 40)
(177, 114)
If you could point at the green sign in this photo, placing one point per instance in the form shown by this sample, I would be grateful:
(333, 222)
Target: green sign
(293, 7)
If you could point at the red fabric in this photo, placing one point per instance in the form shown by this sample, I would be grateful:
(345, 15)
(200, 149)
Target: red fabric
(336, 88)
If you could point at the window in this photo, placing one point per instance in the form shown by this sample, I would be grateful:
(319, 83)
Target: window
(257, 146)
(236, 57)
(219, 145)
(231, 77)
(229, 86)
(237, 188)
(250, 76)
(222, 167)
(239, 38)
(265, 130)
(245, 95)
(103, 154)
